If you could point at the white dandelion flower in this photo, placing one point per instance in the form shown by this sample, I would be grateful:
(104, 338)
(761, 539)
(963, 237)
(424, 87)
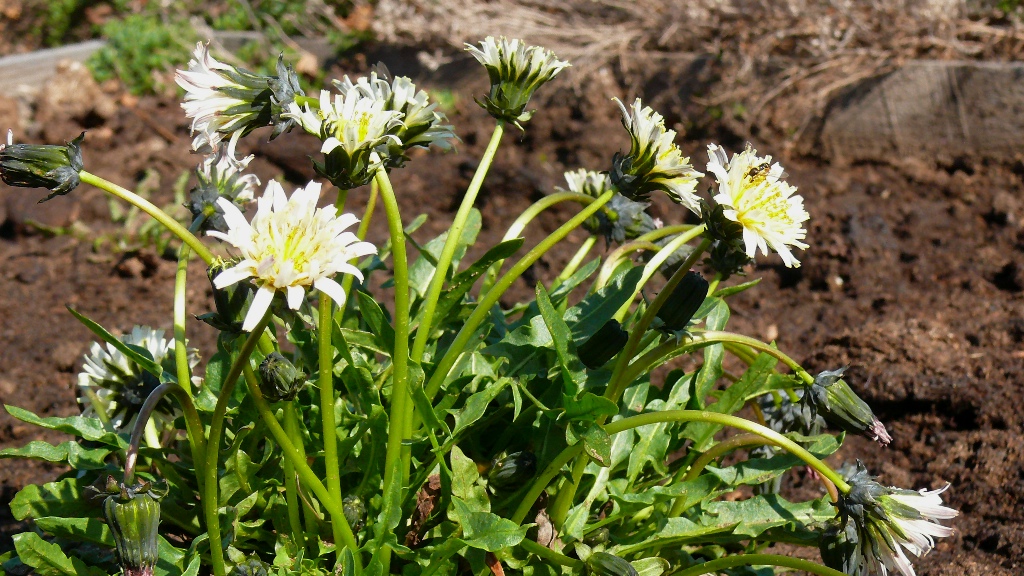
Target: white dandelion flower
(654, 161)
(754, 194)
(516, 71)
(289, 247)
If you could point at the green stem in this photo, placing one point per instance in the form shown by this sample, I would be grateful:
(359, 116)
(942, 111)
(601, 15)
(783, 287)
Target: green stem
(149, 208)
(306, 474)
(721, 336)
(210, 498)
(483, 308)
(330, 427)
(659, 233)
(291, 488)
(722, 448)
(399, 418)
(550, 555)
(612, 262)
(715, 566)
(531, 212)
(364, 227)
(451, 243)
(193, 426)
(542, 481)
(575, 262)
(659, 258)
(339, 202)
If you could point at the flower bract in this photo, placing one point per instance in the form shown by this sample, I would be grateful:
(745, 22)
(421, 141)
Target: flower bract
(221, 176)
(654, 161)
(754, 195)
(47, 166)
(223, 100)
(516, 71)
(620, 218)
(289, 247)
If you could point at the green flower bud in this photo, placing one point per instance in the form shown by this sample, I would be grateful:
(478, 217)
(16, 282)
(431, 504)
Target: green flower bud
(231, 302)
(608, 341)
(605, 564)
(834, 400)
(597, 537)
(684, 302)
(355, 511)
(839, 547)
(47, 166)
(133, 515)
(252, 566)
(280, 379)
(512, 471)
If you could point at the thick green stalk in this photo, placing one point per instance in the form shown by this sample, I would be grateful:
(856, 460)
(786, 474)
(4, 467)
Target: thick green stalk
(715, 336)
(575, 262)
(364, 227)
(399, 416)
(210, 499)
(451, 243)
(721, 449)
(330, 427)
(291, 488)
(193, 425)
(550, 555)
(618, 254)
(659, 258)
(531, 212)
(306, 474)
(716, 566)
(149, 208)
(483, 308)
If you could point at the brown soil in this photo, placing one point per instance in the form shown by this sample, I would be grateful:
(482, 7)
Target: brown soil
(914, 278)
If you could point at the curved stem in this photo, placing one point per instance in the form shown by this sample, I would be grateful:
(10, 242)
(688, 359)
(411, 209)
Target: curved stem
(722, 336)
(574, 263)
(612, 262)
(542, 481)
(399, 417)
(660, 258)
(149, 208)
(715, 566)
(330, 427)
(722, 448)
(659, 233)
(531, 212)
(291, 488)
(193, 425)
(210, 498)
(483, 308)
(306, 474)
(550, 555)
(451, 243)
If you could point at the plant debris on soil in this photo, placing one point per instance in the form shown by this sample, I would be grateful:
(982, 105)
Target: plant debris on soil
(914, 278)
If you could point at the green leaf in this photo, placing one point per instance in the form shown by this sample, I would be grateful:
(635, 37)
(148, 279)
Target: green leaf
(47, 559)
(376, 320)
(711, 371)
(732, 399)
(132, 352)
(463, 281)
(760, 470)
(65, 497)
(651, 445)
(486, 531)
(464, 481)
(81, 426)
(67, 452)
(674, 532)
(574, 374)
(596, 442)
(476, 405)
(732, 290)
(651, 566)
(753, 516)
(585, 318)
(588, 406)
(91, 530)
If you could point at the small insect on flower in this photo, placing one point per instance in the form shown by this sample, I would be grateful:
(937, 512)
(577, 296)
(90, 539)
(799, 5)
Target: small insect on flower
(654, 161)
(516, 71)
(289, 247)
(753, 193)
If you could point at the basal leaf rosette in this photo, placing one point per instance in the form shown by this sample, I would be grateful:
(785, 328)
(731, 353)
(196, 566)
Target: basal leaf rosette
(357, 131)
(289, 247)
(753, 194)
(654, 161)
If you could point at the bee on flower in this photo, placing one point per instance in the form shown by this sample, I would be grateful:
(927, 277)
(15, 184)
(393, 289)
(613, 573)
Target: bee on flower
(224, 100)
(753, 194)
(654, 161)
(289, 247)
(516, 71)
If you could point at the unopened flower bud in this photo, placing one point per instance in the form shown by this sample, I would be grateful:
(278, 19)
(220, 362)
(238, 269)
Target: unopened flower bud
(605, 564)
(513, 471)
(516, 71)
(280, 379)
(133, 516)
(684, 302)
(834, 400)
(251, 566)
(608, 341)
(47, 166)
(231, 302)
(355, 511)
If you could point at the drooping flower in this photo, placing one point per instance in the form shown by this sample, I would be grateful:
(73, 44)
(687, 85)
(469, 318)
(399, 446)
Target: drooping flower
(356, 130)
(289, 247)
(751, 189)
(888, 523)
(654, 161)
(421, 124)
(516, 71)
(830, 397)
(225, 100)
(221, 176)
(620, 218)
(115, 387)
(47, 166)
